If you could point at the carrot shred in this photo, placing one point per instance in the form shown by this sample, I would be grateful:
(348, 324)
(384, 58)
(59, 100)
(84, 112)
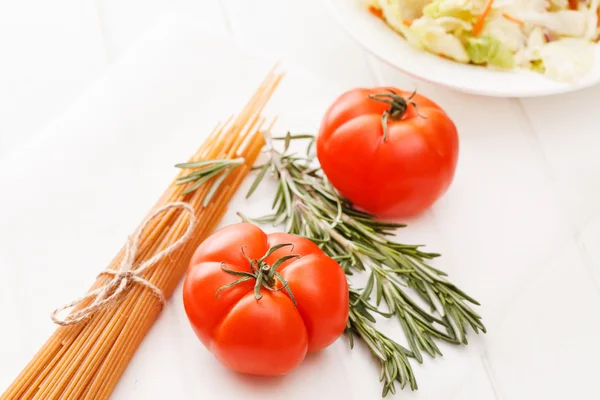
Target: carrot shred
(481, 20)
(573, 4)
(513, 19)
(376, 12)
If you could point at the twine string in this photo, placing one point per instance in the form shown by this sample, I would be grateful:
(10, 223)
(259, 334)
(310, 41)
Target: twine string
(127, 274)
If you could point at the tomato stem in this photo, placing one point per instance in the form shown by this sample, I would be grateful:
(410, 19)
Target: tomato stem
(266, 275)
(398, 107)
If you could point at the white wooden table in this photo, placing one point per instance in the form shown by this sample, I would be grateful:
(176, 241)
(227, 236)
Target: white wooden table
(529, 169)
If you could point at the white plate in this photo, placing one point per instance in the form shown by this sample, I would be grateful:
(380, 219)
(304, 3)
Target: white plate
(390, 47)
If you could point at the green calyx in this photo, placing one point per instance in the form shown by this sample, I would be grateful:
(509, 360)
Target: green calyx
(398, 107)
(265, 275)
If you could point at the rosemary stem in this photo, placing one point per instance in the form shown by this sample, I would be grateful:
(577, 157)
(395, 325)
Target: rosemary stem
(308, 205)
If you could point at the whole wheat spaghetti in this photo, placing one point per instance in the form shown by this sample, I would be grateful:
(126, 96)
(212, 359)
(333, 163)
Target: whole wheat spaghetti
(85, 357)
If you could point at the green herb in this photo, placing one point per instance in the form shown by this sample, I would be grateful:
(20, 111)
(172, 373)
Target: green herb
(309, 206)
(205, 170)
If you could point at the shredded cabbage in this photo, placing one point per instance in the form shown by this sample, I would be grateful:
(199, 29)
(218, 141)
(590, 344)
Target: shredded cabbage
(545, 36)
(567, 58)
(434, 37)
(462, 9)
(489, 50)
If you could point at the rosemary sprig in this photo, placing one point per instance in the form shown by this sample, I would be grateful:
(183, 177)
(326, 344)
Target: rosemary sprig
(205, 170)
(309, 206)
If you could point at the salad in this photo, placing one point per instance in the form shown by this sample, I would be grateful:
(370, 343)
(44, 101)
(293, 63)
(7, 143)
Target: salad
(556, 38)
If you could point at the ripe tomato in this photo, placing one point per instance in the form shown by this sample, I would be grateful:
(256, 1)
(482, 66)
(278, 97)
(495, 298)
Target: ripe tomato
(388, 152)
(256, 330)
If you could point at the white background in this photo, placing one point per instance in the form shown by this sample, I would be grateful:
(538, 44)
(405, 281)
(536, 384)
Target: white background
(523, 212)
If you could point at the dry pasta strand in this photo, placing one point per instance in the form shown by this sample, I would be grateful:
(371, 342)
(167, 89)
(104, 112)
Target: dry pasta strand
(86, 360)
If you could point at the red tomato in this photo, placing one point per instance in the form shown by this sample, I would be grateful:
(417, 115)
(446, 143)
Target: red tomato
(388, 152)
(267, 332)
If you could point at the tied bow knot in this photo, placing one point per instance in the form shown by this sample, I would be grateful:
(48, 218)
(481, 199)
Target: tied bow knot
(123, 277)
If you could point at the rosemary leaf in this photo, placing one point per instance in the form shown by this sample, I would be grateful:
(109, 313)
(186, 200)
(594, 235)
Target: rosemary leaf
(208, 169)
(213, 189)
(399, 274)
(258, 180)
(203, 163)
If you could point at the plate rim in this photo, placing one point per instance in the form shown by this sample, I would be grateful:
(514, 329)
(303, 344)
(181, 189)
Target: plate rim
(553, 87)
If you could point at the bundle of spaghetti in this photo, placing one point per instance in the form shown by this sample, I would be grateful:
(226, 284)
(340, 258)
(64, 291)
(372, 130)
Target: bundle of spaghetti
(85, 360)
